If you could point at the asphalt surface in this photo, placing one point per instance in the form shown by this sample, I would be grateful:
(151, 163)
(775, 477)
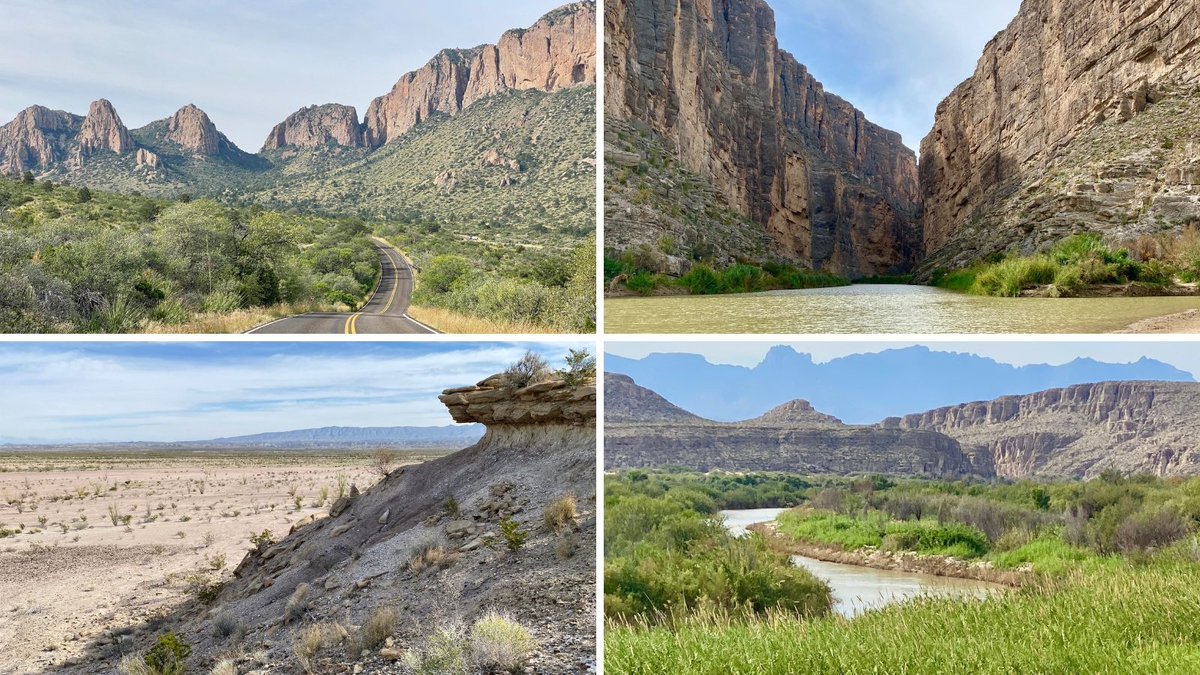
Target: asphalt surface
(384, 313)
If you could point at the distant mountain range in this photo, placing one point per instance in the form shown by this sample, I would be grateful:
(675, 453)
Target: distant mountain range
(451, 437)
(863, 388)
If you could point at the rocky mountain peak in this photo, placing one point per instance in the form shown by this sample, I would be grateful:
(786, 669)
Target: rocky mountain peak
(193, 131)
(103, 130)
(36, 138)
(627, 402)
(798, 413)
(317, 126)
(557, 52)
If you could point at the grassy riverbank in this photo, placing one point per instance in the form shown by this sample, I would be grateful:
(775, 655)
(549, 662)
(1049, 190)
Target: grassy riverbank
(703, 279)
(1111, 585)
(1079, 264)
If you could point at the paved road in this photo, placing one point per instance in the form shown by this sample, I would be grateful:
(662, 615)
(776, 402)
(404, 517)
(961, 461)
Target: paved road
(384, 313)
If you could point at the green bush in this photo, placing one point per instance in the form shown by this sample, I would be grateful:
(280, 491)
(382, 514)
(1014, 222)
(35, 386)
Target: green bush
(168, 655)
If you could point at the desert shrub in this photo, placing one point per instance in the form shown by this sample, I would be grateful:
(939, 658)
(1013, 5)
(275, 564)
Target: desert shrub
(829, 499)
(378, 627)
(297, 603)
(565, 546)
(442, 653)
(383, 462)
(514, 537)
(581, 367)
(451, 507)
(500, 643)
(262, 541)
(313, 639)
(560, 512)
(225, 625)
(951, 539)
(528, 369)
(168, 655)
(1148, 530)
(429, 553)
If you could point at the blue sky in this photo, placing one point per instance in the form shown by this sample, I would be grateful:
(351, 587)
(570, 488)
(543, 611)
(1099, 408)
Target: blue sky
(247, 64)
(66, 391)
(1182, 355)
(893, 59)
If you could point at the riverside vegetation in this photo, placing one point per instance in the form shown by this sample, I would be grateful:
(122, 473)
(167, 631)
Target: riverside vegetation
(1115, 556)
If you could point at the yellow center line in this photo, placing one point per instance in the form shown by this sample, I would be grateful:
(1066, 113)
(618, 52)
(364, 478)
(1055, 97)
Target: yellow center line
(395, 283)
(352, 324)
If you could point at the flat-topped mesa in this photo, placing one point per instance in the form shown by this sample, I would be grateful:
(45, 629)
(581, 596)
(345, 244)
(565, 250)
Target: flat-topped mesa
(832, 190)
(557, 52)
(36, 138)
(102, 129)
(1060, 71)
(798, 413)
(317, 126)
(496, 402)
(192, 130)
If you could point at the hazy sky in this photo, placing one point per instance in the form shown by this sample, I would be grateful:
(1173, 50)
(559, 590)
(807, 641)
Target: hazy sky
(893, 59)
(247, 64)
(196, 391)
(1184, 356)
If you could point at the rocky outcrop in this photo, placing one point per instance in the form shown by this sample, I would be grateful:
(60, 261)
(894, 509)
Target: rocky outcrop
(627, 403)
(1077, 432)
(192, 130)
(557, 52)
(315, 127)
(102, 129)
(146, 159)
(833, 190)
(791, 438)
(1041, 142)
(496, 401)
(37, 139)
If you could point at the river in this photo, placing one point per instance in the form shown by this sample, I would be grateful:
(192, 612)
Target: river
(881, 309)
(859, 589)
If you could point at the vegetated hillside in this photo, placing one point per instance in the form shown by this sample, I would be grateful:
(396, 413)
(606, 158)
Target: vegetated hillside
(478, 561)
(834, 192)
(864, 388)
(1077, 432)
(517, 168)
(1044, 142)
(77, 260)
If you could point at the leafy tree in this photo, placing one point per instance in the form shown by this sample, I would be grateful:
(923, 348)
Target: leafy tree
(27, 178)
(85, 195)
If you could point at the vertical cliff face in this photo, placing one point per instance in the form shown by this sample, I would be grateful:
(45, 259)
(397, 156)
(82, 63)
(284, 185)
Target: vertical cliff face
(555, 53)
(833, 190)
(1035, 142)
(193, 131)
(103, 130)
(317, 126)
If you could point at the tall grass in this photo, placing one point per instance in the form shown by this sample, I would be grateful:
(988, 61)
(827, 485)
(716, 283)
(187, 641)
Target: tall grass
(1131, 619)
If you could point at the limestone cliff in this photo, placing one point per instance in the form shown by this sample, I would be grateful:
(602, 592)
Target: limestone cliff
(557, 52)
(1081, 116)
(1076, 432)
(317, 126)
(791, 438)
(832, 190)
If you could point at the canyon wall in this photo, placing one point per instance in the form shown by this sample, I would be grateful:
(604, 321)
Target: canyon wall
(1047, 138)
(833, 190)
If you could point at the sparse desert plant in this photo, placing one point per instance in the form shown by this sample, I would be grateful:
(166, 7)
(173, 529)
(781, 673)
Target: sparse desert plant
(378, 627)
(500, 643)
(224, 667)
(114, 513)
(529, 369)
(443, 653)
(299, 501)
(204, 589)
(324, 496)
(581, 367)
(429, 553)
(565, 546)
(309, 643)
(513, 535)
(451, 508)
(560, 512)
(225, 625)
(383, 462)
(168, 655)
(262, 541)
(216, 561)
(209, 539)
(342, 483)
(297, 604)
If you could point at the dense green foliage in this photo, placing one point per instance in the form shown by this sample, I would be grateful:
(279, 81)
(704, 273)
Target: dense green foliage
(1116, 589)
(723, 490)
(1078, 262)
(513, 286)
(666, 556)
(111, 263)
(703, 279)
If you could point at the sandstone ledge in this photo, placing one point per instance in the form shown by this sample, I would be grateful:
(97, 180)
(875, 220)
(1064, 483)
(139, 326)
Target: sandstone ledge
(495, 401)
